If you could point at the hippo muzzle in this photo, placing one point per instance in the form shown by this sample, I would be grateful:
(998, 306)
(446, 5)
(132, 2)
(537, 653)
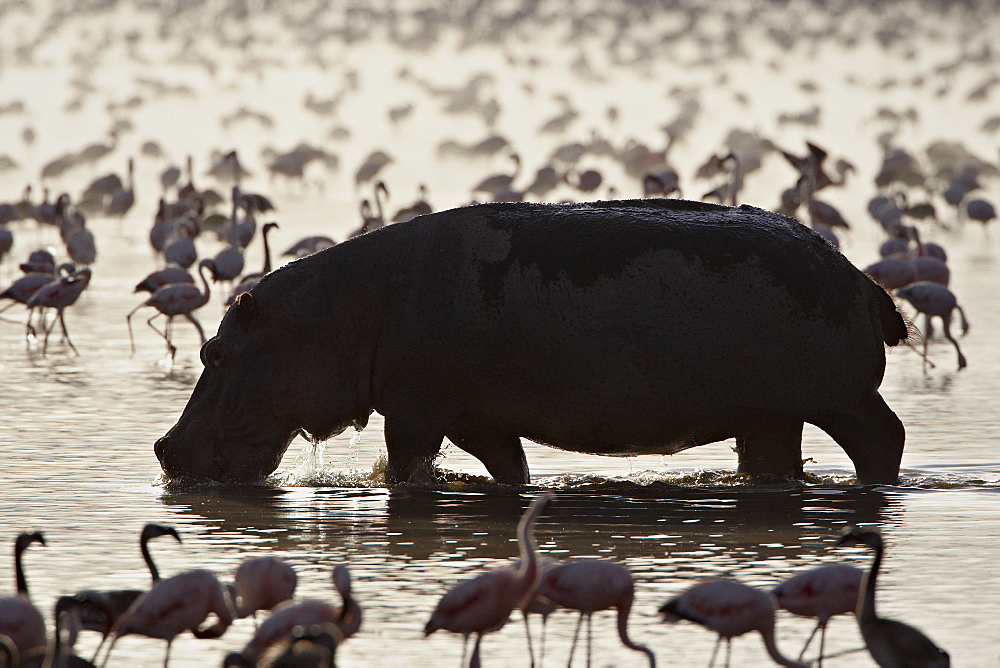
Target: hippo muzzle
(199, 448)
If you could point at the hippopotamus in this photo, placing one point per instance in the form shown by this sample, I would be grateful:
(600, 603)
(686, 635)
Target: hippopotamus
(617, 328)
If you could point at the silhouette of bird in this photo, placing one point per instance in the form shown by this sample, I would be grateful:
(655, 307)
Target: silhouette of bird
(122, 200)
(420, 207)
(980, 210)
(58, 294)
(484, 603)
(172, 273)
(372, 165)
(175, 605)
(889, 642)
(20, 621)
(69, 612)
(280, 625)
(499, 182)
(590, 585)
(934, 299)
(228, 263)
(537, 605)
(248, 281)
(822, 592)
(729, 608)
(261, 584)
(172, 300)
(114, 602)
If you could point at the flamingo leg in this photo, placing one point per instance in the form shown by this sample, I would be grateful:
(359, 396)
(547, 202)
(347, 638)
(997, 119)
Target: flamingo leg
(589, 636)
(166, 657)
(465, 646)
(822, 645)
(166, 337)
(541, 658)
(576, 633)
(474, 659)
(527, 632)
(65, 332)
(947, 334)
(809, 640)
(197, 325)
(715, 650)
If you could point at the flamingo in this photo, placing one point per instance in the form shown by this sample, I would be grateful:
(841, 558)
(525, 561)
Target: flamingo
(822, 592)
(729, 608)
(172, 273)
(122, 200)
(285, 618)
(58, 294)
(934, 299)
(175, 605)
(109, 606)
(981, 210)
(890, 643)
(484, 603)
(420, 207)
(172, 300)
(228, 263)
(250, 280)
(314, 646)
(499, 182)
(179, 248)
(20, 621)
(590, 585)
(69, 612)
(21, 290)
(261, 584)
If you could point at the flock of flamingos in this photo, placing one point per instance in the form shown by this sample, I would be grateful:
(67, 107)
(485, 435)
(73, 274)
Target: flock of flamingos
(307, 632)
(914, 270)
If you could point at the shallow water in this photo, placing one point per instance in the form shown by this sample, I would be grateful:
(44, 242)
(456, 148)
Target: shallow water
(77, 433)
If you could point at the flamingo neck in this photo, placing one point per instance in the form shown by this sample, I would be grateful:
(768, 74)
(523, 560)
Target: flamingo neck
(623, 611)
(22, 582)
(204, 281)
(772, 649)
(866, 606)
(267, 249)
(529, 571)
(148, 558)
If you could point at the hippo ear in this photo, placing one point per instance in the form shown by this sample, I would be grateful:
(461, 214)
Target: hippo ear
(246, 310)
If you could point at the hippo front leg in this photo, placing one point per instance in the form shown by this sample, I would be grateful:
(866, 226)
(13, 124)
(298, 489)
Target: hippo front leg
(872, 436)
(412, 445)
(501, 454)
(773, 448)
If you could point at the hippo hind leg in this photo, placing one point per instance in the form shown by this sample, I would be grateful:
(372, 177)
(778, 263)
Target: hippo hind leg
(771, 448)
(412, 445)
(872, 436)
(500, 453)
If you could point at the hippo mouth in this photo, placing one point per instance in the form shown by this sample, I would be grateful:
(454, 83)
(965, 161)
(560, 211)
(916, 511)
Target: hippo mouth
(244, 460)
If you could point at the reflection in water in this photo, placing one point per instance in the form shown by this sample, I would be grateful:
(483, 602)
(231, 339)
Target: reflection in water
(648, 522)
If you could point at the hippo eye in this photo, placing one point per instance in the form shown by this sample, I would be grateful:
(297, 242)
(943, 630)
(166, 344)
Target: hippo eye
(213, 355)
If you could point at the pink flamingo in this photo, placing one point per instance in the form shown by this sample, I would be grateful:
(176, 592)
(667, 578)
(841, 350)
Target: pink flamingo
(934, 299)
(261, 584)
(172, 300)
(248, 281)
(112, 604)
(822, 592)
(175, 605)
(58, 294)
(484, 603)
(69, 614)
(590, 585)
(172, 273)
(729, 608)
(20, 621)
(283, 621)
(537, 605)
(890, 643)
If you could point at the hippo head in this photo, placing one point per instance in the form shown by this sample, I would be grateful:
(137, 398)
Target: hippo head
(269, 373)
